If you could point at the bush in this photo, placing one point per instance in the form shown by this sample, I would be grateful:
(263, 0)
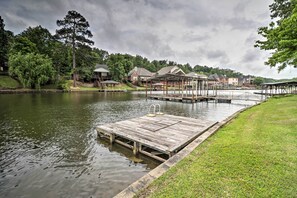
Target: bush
(31, 69)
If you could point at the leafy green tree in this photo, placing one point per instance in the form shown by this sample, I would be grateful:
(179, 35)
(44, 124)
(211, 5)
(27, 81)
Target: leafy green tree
(86, 60)
(42, 39)
(186, 68)
(258, 81)
(281, 9)
(117, 64)
(103, 55)
(61, 58)
(74, 31)
(22, 45)
(31, 69)
(281, 37)
(4, 44)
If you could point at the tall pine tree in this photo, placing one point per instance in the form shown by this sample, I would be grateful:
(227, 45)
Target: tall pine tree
(74, 31)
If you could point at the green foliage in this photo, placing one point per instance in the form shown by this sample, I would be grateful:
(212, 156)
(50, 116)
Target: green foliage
(3, 44)
(86, 61)
(119, 65)
(258, 81)
(61, 57)
(7, 82)
(102, 55)
(186, 68)
(281, 37)
(23, 45)
(74, 31)
(210, 70)
(41, 37)
(281, 9)
(31, 69)
(64, 84)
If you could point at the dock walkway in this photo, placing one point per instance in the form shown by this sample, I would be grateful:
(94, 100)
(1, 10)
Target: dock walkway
(158, 137)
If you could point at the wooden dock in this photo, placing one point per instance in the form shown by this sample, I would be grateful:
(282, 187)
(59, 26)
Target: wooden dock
(158, 137)
(112, 90)
(185, 99)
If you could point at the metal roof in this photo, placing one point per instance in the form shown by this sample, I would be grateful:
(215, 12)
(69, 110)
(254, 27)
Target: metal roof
(101, 70)
(281, 83)
(173, 77)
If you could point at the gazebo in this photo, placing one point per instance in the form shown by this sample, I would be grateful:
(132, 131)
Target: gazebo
(108, 83)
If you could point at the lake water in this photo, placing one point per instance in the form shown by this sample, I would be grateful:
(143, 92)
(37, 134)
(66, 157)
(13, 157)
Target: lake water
(49, 147)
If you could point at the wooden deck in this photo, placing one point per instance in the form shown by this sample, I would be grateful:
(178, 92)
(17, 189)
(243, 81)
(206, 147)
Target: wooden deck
(185, 99)
(158, 137)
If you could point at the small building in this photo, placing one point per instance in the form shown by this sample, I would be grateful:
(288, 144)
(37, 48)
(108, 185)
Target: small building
(139, 74)
(233, 81)
(101, 73)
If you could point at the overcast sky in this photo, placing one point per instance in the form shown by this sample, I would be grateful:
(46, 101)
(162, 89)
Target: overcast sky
(216, 33)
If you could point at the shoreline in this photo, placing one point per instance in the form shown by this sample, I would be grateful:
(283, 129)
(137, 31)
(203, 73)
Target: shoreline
(26, 91)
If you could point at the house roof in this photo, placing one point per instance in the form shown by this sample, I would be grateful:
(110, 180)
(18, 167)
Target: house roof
(293, 82)
(140, 72)
(213, 77)
(101, 68)
(170, 70)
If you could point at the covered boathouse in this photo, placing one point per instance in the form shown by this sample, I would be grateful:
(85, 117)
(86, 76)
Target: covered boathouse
(179, 87)
(279, 88)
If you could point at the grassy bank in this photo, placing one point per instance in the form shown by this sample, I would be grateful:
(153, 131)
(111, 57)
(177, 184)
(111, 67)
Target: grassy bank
(255, 155)
(6, 82)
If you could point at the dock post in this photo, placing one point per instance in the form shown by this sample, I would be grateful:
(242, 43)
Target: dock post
(136, 146)
(112, 138)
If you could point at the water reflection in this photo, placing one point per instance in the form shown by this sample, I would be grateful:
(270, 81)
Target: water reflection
(48, 144)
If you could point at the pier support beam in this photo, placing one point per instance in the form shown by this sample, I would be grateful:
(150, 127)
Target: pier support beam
(136, 148)
(112, 138)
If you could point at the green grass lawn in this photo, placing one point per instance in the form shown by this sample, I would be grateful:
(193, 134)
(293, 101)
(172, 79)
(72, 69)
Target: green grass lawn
(255, 155)
(8, 82)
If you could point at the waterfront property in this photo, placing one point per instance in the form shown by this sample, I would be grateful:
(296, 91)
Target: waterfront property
(158, 137)
(190, 87)
(139, 75)
(279, 88)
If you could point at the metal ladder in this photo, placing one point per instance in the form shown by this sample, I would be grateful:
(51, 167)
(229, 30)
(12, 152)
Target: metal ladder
(154, 113)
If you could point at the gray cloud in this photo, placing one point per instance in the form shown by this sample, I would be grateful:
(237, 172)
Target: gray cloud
(240, 23)
(251, 56)
(219, 55)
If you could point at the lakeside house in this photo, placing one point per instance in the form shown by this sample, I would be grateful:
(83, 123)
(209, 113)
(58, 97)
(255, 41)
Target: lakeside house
(233, 81)
(246, 81)
(101, 73)
(213, 80)
(139, 74)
